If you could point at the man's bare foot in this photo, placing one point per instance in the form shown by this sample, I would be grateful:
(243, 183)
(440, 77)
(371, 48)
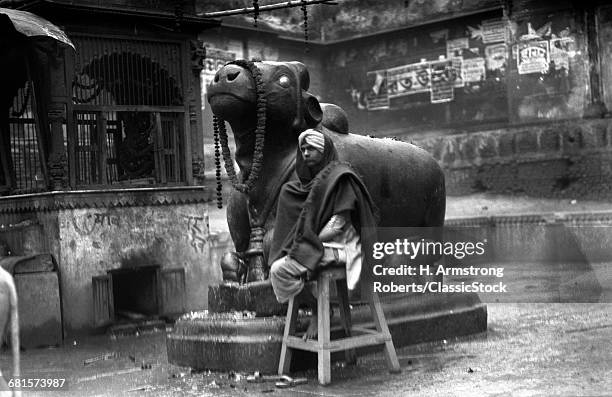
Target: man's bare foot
(313, 327)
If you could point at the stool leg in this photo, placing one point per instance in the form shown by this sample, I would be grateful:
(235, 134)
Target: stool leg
(381, 326)
(324, 356)
(345, 316)
(290, 321)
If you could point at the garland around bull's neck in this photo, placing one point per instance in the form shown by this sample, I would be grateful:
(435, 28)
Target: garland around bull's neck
(220, 132)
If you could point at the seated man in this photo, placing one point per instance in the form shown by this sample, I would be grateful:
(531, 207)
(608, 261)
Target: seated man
(317, 220)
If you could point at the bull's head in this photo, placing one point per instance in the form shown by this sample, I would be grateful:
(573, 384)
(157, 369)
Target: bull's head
(290, 108)
(264, 102)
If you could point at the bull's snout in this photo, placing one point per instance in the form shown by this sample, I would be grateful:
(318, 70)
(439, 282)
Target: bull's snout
(233, 80)
(228, 73)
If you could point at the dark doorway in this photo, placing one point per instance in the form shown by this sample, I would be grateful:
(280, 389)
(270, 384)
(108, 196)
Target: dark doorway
(138, 293)
(135, 292)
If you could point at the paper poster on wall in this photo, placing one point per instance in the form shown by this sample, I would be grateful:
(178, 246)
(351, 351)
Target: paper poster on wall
(442, 80)
(457, 63)
(494, 30)
(496, 57)
(474, 70)
(533, 57)
(560, 50)
(408, 79)
(454, 47)
(215, 59)
(377, 97)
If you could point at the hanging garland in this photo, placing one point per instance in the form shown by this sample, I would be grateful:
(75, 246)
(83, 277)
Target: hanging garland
(305, 12)
(220, 131)
(255, 12)
(218, 164)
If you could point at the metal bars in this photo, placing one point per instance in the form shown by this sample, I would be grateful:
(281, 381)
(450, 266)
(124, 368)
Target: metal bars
(117, 80)
(99, 139)
(25, 154)
(116, 71)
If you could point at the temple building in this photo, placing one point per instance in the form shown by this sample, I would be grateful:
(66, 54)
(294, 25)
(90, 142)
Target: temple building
(102, 158)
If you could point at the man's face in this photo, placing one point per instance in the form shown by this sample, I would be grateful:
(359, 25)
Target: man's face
(310, 155)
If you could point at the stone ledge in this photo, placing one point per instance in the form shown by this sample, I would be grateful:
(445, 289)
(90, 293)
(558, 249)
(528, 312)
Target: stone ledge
(573, 218)
(50, 201)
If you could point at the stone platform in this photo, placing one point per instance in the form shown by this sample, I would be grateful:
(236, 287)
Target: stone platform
(242, 342)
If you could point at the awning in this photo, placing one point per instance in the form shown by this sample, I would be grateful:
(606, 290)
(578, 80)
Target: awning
(31, 25)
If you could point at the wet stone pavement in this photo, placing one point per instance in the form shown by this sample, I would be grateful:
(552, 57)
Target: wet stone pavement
(529, 349)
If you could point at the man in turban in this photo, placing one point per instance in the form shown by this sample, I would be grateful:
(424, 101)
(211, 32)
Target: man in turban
(317, 222)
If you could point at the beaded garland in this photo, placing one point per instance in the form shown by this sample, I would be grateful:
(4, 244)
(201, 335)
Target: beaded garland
(218, 165)
(305, 12)
(220, 132)
(255, 12)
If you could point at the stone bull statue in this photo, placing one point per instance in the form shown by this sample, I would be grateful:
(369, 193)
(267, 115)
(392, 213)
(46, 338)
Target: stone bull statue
(267, 105)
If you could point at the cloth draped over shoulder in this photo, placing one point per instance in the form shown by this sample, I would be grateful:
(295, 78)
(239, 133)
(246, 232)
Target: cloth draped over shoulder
(306, 204)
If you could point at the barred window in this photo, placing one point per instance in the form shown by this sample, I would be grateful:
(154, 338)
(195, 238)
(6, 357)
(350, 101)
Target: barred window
(129, 112)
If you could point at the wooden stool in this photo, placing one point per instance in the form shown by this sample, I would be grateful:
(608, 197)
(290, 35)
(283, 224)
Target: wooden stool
(323, 346)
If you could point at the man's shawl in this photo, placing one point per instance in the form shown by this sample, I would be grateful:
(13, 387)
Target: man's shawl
(305, 206)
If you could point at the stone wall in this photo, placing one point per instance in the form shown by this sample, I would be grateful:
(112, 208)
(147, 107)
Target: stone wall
(93, 241)
(571, 159)
(90, 233)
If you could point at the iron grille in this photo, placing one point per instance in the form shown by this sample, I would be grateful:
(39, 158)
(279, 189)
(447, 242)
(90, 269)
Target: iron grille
(134, 147)
(25, 151)
(113, 71)
(128, 111)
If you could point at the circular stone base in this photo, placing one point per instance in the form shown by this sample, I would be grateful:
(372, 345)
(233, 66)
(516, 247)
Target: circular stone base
(224, 341)
(240, 341)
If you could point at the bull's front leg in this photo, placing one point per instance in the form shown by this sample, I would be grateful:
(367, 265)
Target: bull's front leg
(233, 264)
(254, 255)
(247, 266)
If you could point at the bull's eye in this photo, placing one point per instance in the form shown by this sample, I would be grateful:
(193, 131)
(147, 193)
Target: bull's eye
(284, 81)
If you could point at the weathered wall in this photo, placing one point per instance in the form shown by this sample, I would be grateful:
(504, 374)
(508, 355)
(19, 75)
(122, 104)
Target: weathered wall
(471, 71)
(349, 18)
(570, 159)
(517, 111)
(91, 232)
(93, 241)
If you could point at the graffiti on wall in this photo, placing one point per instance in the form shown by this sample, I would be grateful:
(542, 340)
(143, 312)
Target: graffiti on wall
(90, 222)
(196, 232)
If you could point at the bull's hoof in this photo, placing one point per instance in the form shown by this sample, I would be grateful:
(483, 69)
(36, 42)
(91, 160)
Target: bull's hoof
(232, 266)
(230, 277)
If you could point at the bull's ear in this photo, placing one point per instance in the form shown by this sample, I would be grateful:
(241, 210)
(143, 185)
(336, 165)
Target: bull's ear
(313, 114)
(302, 74)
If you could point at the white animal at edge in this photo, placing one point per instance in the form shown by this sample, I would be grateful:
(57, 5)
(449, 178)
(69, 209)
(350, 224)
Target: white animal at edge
(9, 319)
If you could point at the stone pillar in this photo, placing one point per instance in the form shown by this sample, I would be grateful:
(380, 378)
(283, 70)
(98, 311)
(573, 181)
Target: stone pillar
(60, 93)
(198, 53)
(58, 159)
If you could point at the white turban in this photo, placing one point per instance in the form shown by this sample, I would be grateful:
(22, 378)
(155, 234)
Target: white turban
(314, 138)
